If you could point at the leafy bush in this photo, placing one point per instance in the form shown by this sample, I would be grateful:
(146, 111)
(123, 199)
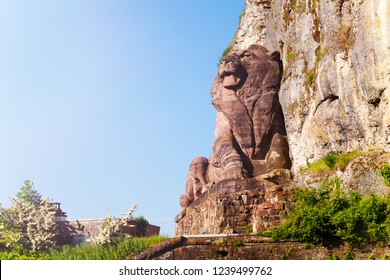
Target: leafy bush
(119, 249)
(328, 214)
(142, 225)
(331, 159)
(385, 172)
(18, 254)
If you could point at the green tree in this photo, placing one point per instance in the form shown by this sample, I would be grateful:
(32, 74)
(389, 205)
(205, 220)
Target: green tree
(142, 225)
(27, 194)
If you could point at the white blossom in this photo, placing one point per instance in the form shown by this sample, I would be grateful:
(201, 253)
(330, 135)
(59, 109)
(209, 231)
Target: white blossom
(112, 227)
(29, 224)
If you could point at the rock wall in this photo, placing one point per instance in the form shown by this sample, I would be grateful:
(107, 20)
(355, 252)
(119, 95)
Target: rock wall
(237, 206)
(252, 247)
(336, 71)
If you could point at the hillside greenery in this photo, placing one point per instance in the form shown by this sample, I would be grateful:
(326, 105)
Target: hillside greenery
(331, 215)
(385, 173)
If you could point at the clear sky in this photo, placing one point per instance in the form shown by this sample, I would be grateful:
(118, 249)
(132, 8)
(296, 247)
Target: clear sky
(103, 104)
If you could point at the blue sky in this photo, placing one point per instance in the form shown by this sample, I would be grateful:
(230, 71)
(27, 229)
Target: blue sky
(103, 104)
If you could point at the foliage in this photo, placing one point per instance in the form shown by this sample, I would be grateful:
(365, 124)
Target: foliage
(348, 256)
(225, 52)
(320, 54)
(20, 253)
(310, 77)
(328, 214)
(385, 172)
(112, 227)
(331, 159)
(142, 224)
(291, 56)
(331, 162)
(28, 225)
(119, 249)
(27, 194)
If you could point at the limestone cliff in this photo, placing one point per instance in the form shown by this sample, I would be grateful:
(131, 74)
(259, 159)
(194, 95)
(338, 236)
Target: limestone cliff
(336, 71)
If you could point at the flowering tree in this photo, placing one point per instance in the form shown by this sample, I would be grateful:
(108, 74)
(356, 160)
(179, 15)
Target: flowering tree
(112, 227)
(29, 223)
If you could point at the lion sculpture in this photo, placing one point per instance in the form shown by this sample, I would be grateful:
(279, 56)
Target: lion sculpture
(250, 136)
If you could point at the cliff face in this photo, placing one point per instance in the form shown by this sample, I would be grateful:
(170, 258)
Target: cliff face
(336, 71)
(316, 72)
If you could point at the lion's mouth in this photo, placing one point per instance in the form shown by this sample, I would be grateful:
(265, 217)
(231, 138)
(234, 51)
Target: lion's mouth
(231, 80)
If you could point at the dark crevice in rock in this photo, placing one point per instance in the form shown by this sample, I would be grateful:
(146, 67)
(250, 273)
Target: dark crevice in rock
(375, 102)
(266, 3)
(331, 98)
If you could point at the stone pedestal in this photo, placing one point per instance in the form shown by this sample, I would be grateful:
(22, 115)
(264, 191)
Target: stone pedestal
(237, 206)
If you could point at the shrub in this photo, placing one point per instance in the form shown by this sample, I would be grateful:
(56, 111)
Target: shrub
(20, 253)
(328, 214)
(112, 228)
(348, 256)
(331, 159)
(142, 225)
(385, 172)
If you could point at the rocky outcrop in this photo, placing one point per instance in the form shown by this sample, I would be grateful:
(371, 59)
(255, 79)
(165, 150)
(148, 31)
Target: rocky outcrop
(360, 174)
(304, 78)
(336, 59)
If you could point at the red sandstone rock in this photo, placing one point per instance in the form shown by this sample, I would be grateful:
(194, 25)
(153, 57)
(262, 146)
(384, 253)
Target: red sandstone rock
(250, 137)
(279, 205)
(265, 205)
(250, 152)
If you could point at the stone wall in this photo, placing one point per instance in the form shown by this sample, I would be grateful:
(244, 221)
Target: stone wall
(75, 232)
(252, 247)
(237, 206)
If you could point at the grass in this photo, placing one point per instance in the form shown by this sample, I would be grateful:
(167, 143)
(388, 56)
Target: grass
(120, 250)
(331, 162)
(224, 53)
(320, 54)
(291, 56)
(310, 77)
(227, 50)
